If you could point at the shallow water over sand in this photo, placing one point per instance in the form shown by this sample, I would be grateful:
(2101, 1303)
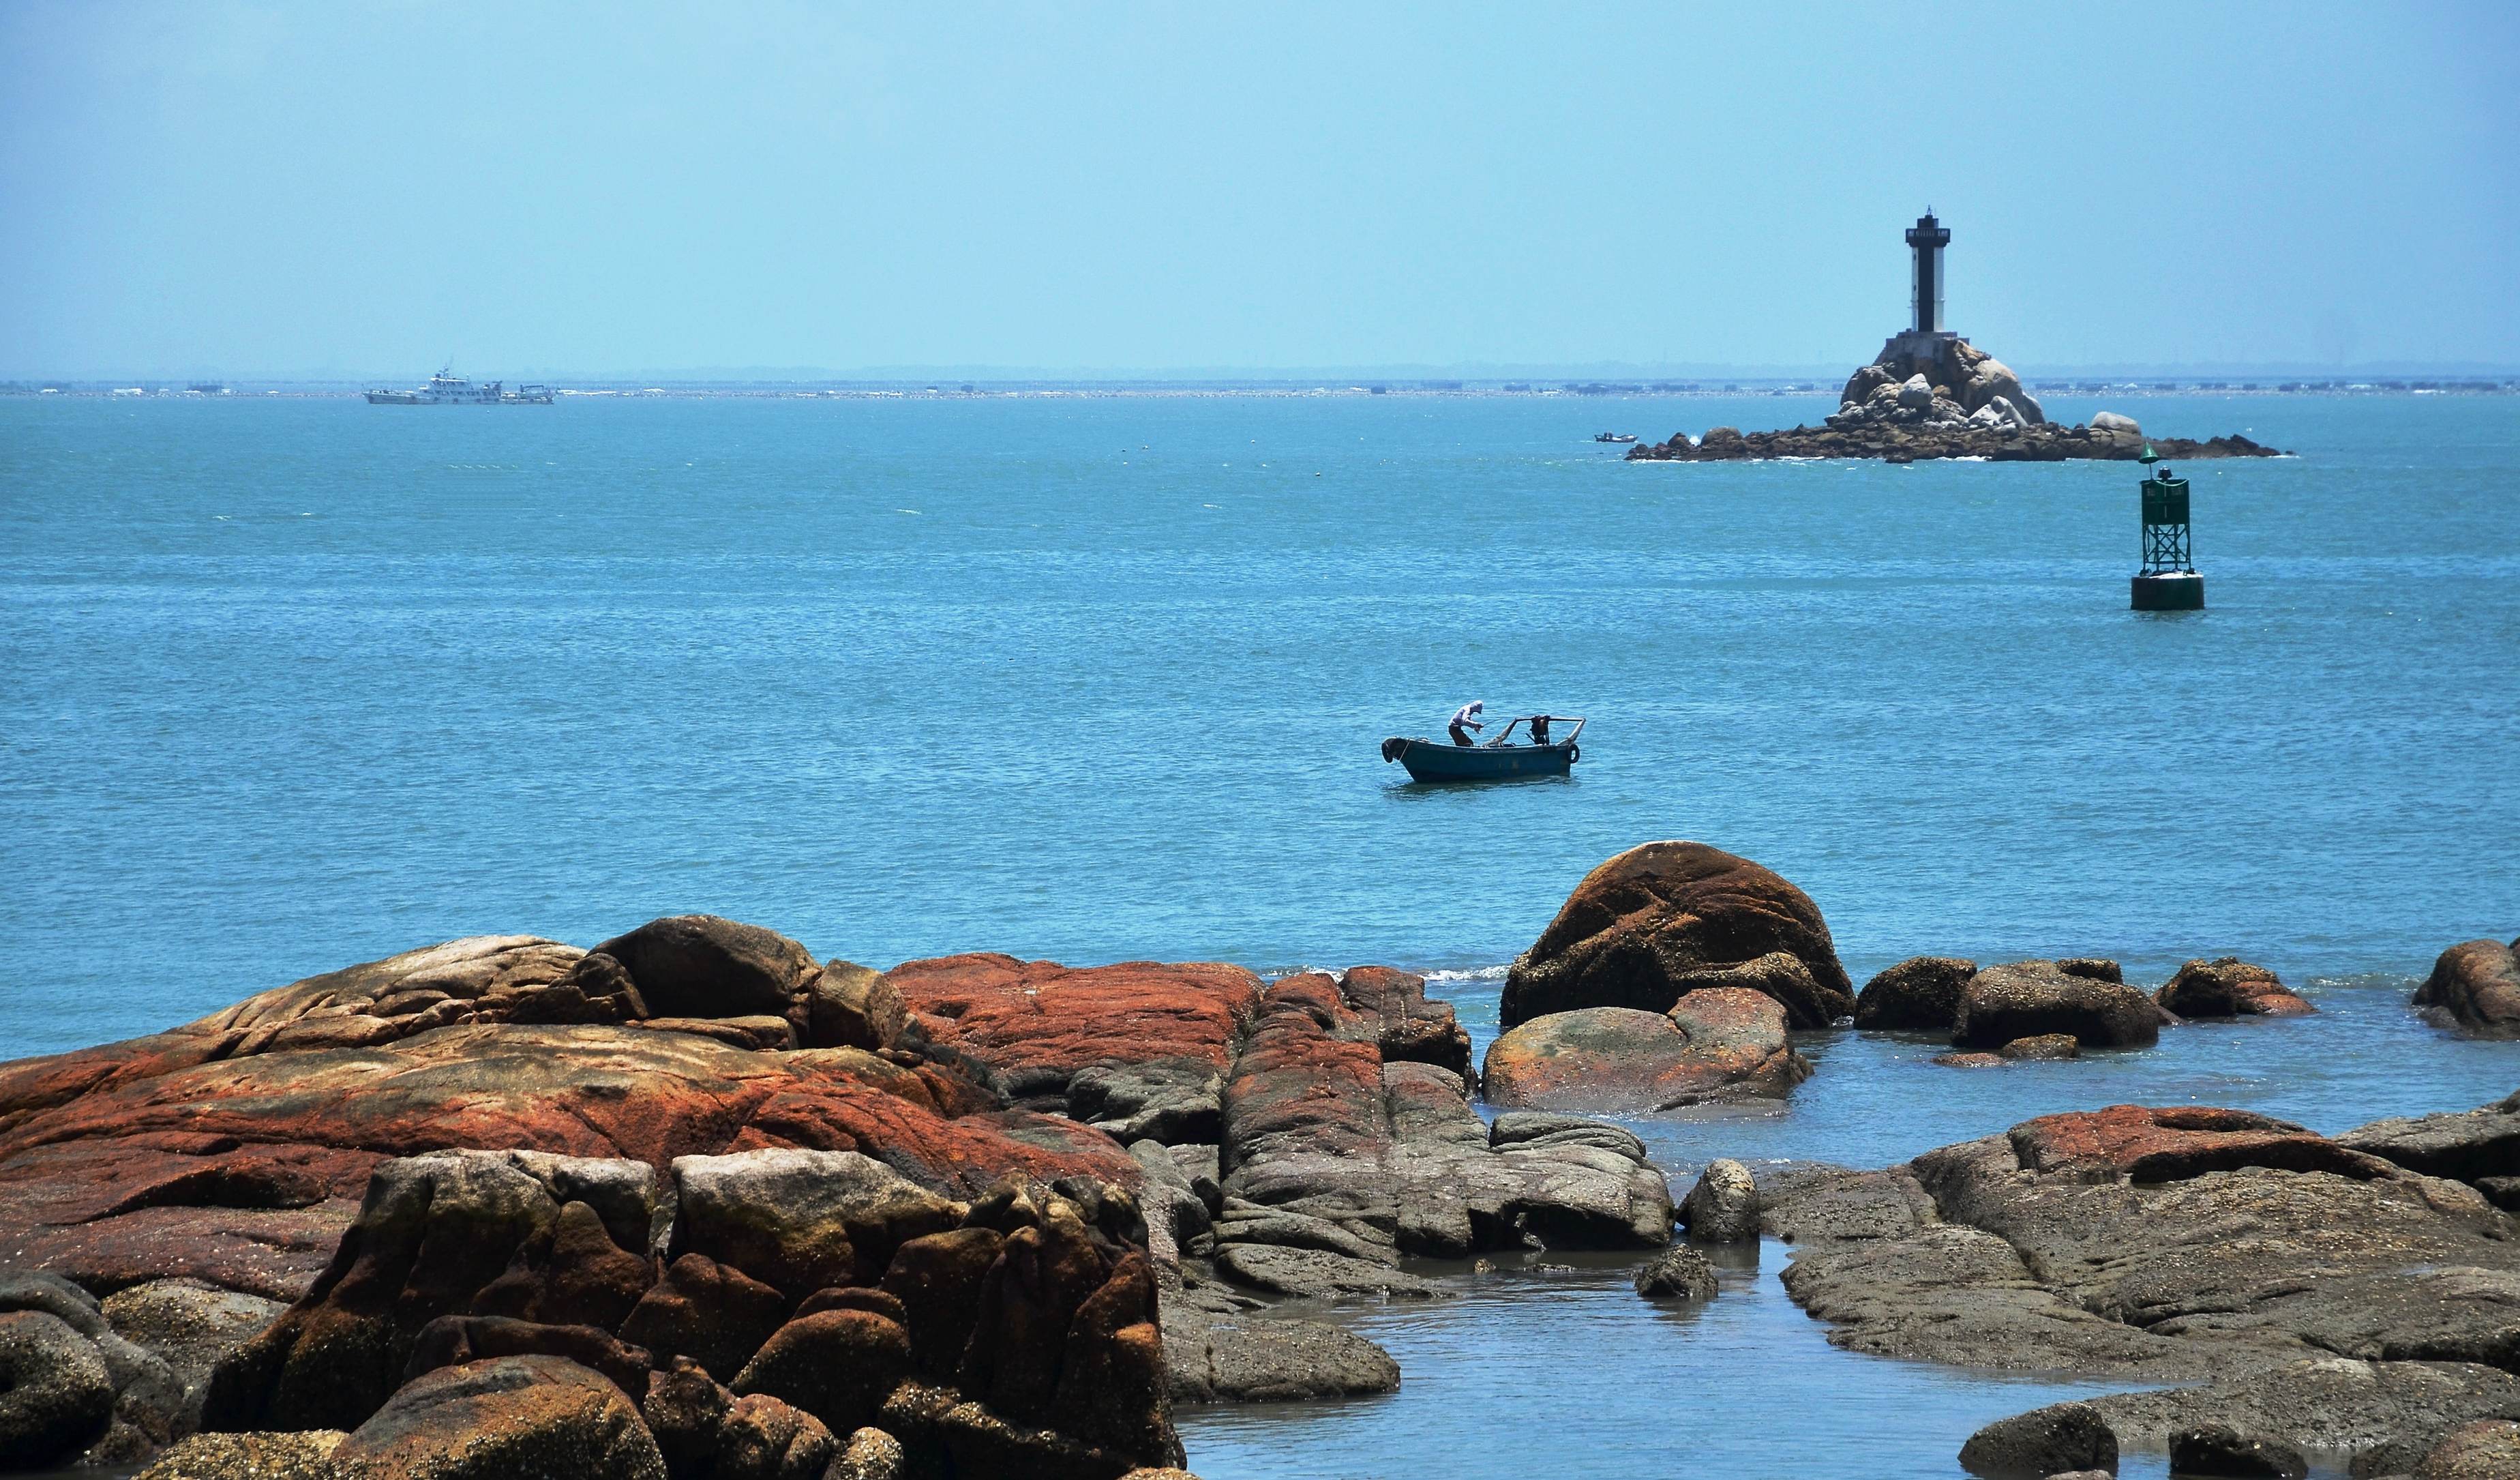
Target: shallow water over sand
(292, 685)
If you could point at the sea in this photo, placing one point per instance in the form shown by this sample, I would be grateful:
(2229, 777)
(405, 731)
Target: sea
(288, 682)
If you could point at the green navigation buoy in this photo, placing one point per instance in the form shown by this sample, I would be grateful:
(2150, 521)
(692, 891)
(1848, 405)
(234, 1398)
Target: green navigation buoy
(2167, 582)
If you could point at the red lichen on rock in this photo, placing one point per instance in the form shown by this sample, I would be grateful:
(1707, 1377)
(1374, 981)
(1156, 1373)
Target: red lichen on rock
(2171, 1143)
(1035, 1024)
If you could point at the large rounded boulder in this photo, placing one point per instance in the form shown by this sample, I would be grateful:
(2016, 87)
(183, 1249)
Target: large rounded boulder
(2475, 989)
(2038, 998)
(1666, 919)
(706, 966)
(1723, 1045)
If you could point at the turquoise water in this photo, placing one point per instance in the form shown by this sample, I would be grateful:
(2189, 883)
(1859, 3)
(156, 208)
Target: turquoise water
(288, 683)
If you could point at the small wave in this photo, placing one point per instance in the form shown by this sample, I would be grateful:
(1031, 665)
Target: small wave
(1474, 974)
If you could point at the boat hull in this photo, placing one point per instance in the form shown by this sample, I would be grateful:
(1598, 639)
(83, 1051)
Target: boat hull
(1432, 761)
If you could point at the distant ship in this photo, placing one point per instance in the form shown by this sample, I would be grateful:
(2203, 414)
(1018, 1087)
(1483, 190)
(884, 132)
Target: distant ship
(447, 389)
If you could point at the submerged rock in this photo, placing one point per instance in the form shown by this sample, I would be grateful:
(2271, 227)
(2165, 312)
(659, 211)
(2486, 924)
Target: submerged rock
(2031, 1445)
(1680, 1274)
(1726, 1043)
(2227, 987)
(2047, 1046)
(1666, 919)
(2475, 989)
(1920, 994)
(2221, 1451)
(2036, 999)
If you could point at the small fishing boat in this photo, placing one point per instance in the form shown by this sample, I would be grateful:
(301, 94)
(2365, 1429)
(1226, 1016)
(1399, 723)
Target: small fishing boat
(1614, 436)
(1545, 754)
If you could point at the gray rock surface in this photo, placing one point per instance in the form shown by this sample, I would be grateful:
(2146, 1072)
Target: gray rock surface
(1921, 993)
(1681, 1273)
(187, 1325)
(1317, 1273)
(2470, 1145)
(1724, 1206)
(56, 1395)
(2311, 1294)
(2221, 1451)
(1172, 1100)
(2033, 998)
(2485, 1449)
(1392, 1157)
(1218, 1350)
(2047, 1440)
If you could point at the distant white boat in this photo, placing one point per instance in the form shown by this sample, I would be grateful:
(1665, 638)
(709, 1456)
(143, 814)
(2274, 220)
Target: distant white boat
(447, 389)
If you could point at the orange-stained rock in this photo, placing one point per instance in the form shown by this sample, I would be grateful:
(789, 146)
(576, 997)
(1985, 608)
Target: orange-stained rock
(1296, 1088)
(2228, 987)
(244, 1172)
(1726, 1044)
(1405, 1024)
(1665, 919)
(2170, 1144)
(1034, 1024)
(2475, 989)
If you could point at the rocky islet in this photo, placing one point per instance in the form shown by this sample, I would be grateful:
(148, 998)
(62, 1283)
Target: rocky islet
(988, 1216)
(1937, 396)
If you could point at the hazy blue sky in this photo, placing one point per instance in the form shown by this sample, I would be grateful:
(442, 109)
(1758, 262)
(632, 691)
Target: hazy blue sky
(352, 189)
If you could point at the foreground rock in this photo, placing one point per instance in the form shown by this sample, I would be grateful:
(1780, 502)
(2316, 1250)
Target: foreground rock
(2227, 987)
(287, 1207)
(2475, 989)
(2312, 1292)
(2040, 998)
(1666, 919)
(1039, 1323)
(1717, 1045)
(71, 1388)
(516, 1415)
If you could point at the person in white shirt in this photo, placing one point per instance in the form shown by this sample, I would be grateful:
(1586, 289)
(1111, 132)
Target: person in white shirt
(1466, 719)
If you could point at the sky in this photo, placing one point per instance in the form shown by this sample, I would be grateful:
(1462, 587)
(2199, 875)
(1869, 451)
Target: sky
(351, 190)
